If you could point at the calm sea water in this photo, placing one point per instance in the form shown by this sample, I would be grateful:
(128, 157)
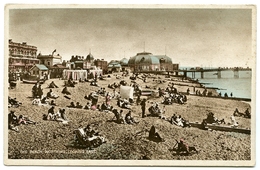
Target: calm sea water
(240, 87)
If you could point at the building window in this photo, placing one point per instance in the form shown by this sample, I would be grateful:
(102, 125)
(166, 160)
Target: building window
(48, 63)
(33, 72)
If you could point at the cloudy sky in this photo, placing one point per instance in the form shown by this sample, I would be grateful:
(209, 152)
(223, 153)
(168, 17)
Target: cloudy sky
(191, 37)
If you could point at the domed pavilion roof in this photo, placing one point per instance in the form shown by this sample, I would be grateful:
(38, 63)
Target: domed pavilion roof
(149, 58)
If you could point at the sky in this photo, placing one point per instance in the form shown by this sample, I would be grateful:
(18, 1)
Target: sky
(191, 37)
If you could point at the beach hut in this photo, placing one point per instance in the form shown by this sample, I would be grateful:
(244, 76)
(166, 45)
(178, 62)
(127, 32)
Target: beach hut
(39, 70)
(94, 71)
(74, 74)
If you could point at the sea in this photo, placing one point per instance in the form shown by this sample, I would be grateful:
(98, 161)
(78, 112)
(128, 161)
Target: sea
(240, 87)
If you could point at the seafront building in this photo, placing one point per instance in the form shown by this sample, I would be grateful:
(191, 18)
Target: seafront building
(78, 62)
(146, 61)
(22, 57)
(50, 59)
(102, 64)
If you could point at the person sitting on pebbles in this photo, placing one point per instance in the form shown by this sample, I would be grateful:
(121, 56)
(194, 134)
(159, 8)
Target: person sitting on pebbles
(65, 91)
(88, 106)
(118, 116)
(105, 107)
(78, 106)
(154, 136)
(72, 105)
(51, 95)
(60, 116)
(53, 85)
(129, 119)
(52, 103)
(12, 121)
(51, 114)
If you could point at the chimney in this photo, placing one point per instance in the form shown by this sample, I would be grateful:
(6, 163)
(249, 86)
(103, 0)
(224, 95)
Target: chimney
(10, 40)
(24, 43)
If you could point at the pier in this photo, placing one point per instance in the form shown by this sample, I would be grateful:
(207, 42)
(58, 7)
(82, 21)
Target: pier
(217, 71)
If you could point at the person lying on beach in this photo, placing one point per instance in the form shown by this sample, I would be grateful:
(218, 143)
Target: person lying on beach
(237, 113)
(24, 120)
(53, 85)
(65, 91)
(13, 102)
(52, 95)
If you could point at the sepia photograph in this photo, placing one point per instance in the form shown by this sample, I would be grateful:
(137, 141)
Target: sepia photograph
(130, 85)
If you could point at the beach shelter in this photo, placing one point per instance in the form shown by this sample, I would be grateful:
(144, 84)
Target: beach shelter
(74, 74)
(126, 92)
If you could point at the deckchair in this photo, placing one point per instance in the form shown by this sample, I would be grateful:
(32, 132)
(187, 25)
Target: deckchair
(81, 138)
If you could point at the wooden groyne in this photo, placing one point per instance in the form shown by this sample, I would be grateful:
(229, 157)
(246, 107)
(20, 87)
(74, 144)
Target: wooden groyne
(221, 128)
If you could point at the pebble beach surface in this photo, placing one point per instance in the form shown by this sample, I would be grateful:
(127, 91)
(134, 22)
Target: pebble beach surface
(50, 139)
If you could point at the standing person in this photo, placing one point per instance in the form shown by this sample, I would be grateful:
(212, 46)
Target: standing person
(34, 90)
(231, 94)
(143, 103)
(188, 91)
(39, 90)
(63, 114)
(138, 100)
(108, 99)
